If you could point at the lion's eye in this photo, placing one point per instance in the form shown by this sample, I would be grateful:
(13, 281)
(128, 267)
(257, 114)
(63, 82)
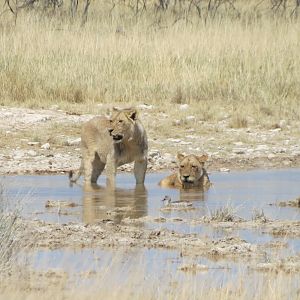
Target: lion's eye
(194, 167)
(120, 121)
(181, 166)
(110, 121)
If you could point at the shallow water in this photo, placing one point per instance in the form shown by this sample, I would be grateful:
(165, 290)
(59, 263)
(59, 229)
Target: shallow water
(244, 191)
(94, 268)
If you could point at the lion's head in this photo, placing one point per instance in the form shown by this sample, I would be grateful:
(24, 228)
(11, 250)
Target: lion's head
(122, 124)
(191, 167)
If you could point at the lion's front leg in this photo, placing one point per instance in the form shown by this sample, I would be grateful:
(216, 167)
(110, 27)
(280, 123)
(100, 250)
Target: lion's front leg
(140, 167)
(111, 170)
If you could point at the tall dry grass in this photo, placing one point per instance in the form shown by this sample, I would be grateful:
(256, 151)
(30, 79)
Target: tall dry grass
(8, 228)
(139, 285)
(251, 68)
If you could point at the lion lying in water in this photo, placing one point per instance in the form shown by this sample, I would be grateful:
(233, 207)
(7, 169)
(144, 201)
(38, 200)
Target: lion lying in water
(113, 142)
(191, 173)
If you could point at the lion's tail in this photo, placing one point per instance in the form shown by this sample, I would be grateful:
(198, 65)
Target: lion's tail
(74, 176)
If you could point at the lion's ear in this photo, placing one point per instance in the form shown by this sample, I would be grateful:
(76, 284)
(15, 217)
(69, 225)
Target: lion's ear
(132, 114)
(203, 158)
(180, 156)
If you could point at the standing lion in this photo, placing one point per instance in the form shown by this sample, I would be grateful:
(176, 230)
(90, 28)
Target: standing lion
(113, 142)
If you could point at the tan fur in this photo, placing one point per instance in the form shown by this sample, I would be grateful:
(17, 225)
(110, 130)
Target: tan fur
(191, 173)
(112, 142)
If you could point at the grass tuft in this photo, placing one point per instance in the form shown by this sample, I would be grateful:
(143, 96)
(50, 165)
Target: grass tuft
(223, 214)
(8, 229)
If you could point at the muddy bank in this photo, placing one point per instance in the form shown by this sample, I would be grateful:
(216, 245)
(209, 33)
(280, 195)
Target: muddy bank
(38, 234)
(107, 235)
(48, 141)
(273, 227)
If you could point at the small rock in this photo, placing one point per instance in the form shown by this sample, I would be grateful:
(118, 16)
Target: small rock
(145, 106)
(239, 151)
(190, 118)
(177, 122)
(46, 146)
(238, 143)
(184, 106)
(32, 153)
(33, 143)
(224, 170)
(282, 124)
(75, 142)
(185, 143)
(174, 140)
(276, 129)
(154, 153)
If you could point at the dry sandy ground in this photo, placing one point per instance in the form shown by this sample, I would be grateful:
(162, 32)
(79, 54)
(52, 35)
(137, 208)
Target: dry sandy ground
(48, 141)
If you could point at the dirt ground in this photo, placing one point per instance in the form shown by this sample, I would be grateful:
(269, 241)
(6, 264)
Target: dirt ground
(48, 141)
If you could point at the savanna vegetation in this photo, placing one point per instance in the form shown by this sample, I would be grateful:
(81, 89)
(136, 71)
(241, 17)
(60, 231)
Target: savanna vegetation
(240, 55)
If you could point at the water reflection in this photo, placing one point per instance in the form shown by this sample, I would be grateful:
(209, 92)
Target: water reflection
(243, 191)
(191, 195)
(101, 203)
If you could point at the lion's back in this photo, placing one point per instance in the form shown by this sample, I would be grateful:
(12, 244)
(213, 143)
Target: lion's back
(95, 135)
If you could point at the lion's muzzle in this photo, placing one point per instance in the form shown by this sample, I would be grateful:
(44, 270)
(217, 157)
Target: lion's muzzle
(117, 137)
(187, 179)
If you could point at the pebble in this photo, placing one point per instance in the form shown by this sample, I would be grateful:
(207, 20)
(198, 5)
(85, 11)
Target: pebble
(33, 143)
(190, 118)
(154, 154)
(145, 106)
(32, 153)
(184, 106)
(282, 124)
(177, 122)
(46, 146)
(224, 170)
(185, 143)
(174, 140)
(239, 151)
(75, 142)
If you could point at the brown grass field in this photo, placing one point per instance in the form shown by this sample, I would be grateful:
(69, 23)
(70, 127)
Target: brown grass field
(247, 66)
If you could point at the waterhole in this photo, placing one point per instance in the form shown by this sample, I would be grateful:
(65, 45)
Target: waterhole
(245, 194)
